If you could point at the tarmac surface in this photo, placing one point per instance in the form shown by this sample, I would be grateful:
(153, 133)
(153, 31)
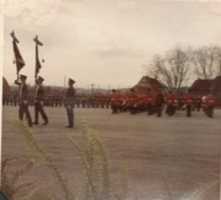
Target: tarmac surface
(168, 158)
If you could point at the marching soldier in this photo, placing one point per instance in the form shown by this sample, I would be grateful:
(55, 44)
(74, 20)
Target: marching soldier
(69, 102)
(39, 101)
(115, 101)
(188, 104)
(159, 103)
(171, 102)
(23, 99)
(132, 98)
(198, 103)
(149, 103)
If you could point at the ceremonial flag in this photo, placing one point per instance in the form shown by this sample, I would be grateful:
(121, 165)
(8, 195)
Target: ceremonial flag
(38, 65)
(19, 61)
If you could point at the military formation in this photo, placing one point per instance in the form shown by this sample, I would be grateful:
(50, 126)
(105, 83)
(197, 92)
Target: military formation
(57, 100)
(157, 103)
(153, 102)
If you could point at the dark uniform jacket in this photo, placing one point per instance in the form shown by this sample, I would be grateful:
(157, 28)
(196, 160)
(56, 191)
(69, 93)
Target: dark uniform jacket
(159, 99)
(70, 96)
(23, 92)
(39, 93)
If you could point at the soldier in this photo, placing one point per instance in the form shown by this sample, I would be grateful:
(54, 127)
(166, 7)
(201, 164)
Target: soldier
(171, 102)
(69, 102)
(15, 99)
(209, 103)
(78, 102)
(159, 103)
(39, 101)
(198, 103)
(23, 99)
(132, 101)
(188, 104)
(115, 102)
(149, 103)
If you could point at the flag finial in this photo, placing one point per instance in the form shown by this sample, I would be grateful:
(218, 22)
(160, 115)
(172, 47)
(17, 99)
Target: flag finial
(37, 41)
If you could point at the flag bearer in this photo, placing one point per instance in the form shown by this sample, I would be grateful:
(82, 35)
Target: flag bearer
(23, 99)
(39, 101)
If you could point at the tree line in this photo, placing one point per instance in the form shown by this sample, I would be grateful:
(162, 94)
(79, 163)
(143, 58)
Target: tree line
(179, 66)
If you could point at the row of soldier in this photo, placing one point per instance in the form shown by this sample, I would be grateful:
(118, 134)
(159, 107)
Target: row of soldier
(155, 102)
(81, 101)
(152, 102)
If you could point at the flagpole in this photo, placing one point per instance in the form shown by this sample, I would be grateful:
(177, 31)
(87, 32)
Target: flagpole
(36, 53)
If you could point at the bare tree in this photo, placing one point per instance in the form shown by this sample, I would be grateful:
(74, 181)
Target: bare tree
(206, 61)
(172, 69)
(218, 60)
(176, 68)
(155, 66)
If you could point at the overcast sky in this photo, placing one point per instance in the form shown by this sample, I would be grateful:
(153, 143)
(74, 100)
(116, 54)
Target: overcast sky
(105, 42)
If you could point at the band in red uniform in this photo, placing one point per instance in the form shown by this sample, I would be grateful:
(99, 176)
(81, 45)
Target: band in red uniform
(188, 101)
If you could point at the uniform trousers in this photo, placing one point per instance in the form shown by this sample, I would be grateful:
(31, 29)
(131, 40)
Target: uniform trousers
(40, 110)
(70, 115)
(24, 110)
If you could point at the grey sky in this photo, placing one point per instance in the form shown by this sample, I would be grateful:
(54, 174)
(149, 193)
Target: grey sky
(105, 42)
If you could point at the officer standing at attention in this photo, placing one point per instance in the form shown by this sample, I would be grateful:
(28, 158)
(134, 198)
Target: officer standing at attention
(69, 102)
(23, 99)
(39, 101)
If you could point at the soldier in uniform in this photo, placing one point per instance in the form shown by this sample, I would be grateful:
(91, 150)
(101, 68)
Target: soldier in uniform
(15, 99)
(116, 101)
(39, 101)
(69, 102)
(159, 103)
(171, 103)
(23, 99)
(198, 103)
(188, 99)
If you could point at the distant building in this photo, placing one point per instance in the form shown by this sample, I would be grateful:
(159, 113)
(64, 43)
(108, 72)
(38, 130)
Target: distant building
(148, 84)
(216, 87)
(201, 87)
(204, 87)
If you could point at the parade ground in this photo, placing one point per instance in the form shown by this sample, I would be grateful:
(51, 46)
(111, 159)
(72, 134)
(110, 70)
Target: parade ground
(149, 158)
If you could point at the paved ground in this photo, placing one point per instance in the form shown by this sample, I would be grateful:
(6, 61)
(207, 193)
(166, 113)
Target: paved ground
(168, 158)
